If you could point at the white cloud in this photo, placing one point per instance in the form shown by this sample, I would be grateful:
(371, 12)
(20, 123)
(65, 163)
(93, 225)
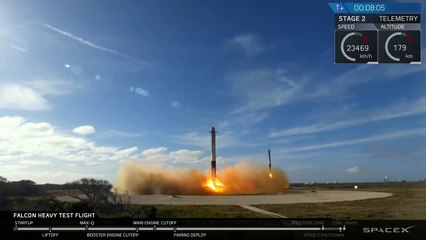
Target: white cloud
(43, 153)
(404, 110)
(128, 152)
(249, 44)
(93, 45)
(341, 83)
(85, 42)
(139, 91)
(50, 86)
(175, 104)
(35, 162)
(155, 154)
(116, 133)
(31, 95)
(186, 156)
(249, 119)
(15, 96)
(32, 141)
(161, 154)
(13, 46)
(84, 130)
(267, 88)
(263, 89)
(203, 140)
(353, 170)
(30, 148)
(417, 132)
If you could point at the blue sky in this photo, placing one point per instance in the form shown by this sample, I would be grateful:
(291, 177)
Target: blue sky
(86, 85)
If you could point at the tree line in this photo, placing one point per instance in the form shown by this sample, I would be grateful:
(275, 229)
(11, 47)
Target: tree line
(93, 195)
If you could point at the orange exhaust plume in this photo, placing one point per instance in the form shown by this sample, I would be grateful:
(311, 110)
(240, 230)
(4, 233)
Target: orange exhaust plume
(241, 178)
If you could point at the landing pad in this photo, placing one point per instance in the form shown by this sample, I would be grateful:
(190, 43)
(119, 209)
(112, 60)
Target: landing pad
(285, 198)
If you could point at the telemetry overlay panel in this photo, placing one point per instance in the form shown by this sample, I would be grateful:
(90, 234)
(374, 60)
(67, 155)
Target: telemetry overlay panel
(375, 33)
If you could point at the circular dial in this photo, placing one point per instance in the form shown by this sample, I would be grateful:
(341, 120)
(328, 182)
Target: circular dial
(356, 47)
(401, 43)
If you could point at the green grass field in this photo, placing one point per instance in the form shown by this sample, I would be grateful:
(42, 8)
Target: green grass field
(408, 202)
(196, 211)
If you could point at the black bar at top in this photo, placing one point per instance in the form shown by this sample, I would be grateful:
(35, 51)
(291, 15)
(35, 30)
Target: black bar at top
(375, 18)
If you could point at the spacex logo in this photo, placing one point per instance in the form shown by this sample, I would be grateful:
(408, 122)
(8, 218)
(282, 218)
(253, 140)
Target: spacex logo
(387, 229)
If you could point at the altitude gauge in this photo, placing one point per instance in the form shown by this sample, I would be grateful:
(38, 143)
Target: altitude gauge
(399, 47)
(356, 46)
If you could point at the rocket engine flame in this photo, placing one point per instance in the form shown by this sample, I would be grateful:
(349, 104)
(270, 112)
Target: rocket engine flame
(240, 178)
(214, 185)
(270, 175)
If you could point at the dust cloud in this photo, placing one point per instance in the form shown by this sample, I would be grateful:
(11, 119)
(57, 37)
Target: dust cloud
(241, 178)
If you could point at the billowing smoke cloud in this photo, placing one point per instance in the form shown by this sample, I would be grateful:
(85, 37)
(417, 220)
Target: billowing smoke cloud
(138, 178)
(246, 178)
(241, 178)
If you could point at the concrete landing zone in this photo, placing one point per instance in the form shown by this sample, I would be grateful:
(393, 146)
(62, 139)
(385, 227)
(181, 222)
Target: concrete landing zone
(286, 198)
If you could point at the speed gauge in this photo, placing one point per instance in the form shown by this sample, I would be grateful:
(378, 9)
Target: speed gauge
(356, 46)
